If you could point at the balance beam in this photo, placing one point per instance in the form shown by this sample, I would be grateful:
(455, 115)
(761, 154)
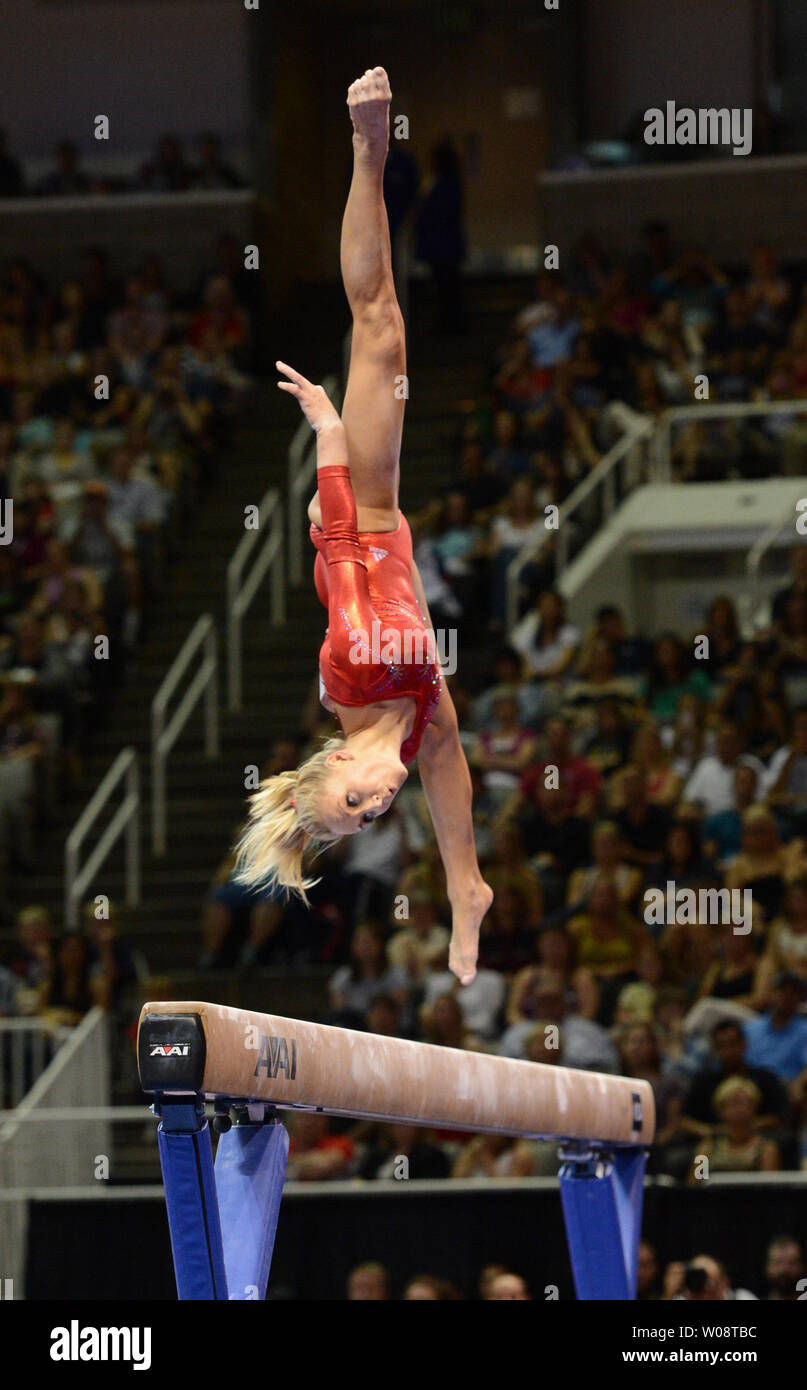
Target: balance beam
(218, 1051)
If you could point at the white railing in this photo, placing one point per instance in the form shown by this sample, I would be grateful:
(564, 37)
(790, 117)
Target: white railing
(598, 490)
(240, 596)
(662, 444)
(301, 471)
(164, 736)
(49, 1155)
(27, 1047)
(126, 820)
(781, 530)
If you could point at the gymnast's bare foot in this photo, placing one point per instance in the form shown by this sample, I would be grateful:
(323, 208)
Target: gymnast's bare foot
(467, 913)
(368, 100)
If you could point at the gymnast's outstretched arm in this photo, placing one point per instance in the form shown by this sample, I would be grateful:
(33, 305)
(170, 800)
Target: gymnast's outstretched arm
(446, 783)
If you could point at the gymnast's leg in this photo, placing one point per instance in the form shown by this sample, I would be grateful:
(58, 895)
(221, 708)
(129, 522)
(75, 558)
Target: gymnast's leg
(373, 408)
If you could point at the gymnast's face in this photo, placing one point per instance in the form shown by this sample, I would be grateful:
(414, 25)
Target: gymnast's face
(360, 789)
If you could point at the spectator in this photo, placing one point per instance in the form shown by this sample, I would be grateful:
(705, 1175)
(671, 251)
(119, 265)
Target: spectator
(315, 1153)
(778, 1040)
(405, 1151)
(353, 987)
(710, 789)
(166, 171)
(784, 1269)
(507, 1287)
(211, 171)
(67, 180)
(738, 1147)
(368, 1283)
(428, 1288)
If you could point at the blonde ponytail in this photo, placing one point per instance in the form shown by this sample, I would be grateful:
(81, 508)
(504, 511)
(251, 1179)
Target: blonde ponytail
(284, 823)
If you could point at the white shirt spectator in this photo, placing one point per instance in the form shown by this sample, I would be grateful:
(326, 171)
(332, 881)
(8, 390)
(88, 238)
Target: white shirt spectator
(797, 778)
(711, 785)
(137, 502)
(584, 1044)
(481, 1001)
(377, 850)
(542, 659)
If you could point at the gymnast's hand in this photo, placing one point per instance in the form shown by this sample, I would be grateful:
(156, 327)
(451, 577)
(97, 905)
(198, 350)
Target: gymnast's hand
(318, 410)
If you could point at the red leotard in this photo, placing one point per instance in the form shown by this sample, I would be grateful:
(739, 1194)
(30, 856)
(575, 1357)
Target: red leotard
(377, 645)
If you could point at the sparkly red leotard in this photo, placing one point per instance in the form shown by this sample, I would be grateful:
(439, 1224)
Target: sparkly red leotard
(377, 644)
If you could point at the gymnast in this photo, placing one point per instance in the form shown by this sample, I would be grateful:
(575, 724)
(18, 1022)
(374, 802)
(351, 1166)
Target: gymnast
(389, 710)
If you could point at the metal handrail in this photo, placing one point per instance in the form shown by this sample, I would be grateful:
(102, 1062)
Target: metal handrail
(163, 737)
(126, 819)
(302, 467)
(636, 428)
(239, 597)
(662, 451)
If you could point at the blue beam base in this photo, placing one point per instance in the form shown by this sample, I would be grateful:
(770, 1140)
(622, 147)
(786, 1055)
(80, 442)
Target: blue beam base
(250, 1168)
(601, 1192)
(186, 1157)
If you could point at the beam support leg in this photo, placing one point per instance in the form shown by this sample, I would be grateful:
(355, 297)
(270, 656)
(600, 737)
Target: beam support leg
(601, 1192)
(186, 1158)
(250, 1168)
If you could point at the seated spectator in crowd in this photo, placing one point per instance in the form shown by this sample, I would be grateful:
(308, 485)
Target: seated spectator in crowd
(21, 748)
(384, 1016)
(72, 988)
(495, 1156)
(640, 1056)
(653, 756)
(608, 941)
(643, 825)
(672, 676)
(517, 528)
(316, 1154)
(606, 746)
(353, 987)
(211, 171)
(506, 868)
(427, 1288)
(723, 831)
(648, 1273)
(546, 641)
(372, 863)
(368, 1283)
(784, 784)
(608, 863)
(404, 1152)
(729, 1059)
(786, 942)
(733, 973)
(710, 788)
(702, 1280)
(30, 958)
(166, 171)
(738, 1146)
(507, 938)
(764, 865)
(778, 1039)
(68, 179)
(596, 681)
(572, 778)
(113, 967)
(506, 1287)
(585, 1043)
(442, 1022)
(504, 749)
(481, 1002)
(784, 1268)
(416, 947)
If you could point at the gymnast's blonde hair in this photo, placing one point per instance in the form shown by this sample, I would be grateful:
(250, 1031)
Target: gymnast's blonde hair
(284, 823)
